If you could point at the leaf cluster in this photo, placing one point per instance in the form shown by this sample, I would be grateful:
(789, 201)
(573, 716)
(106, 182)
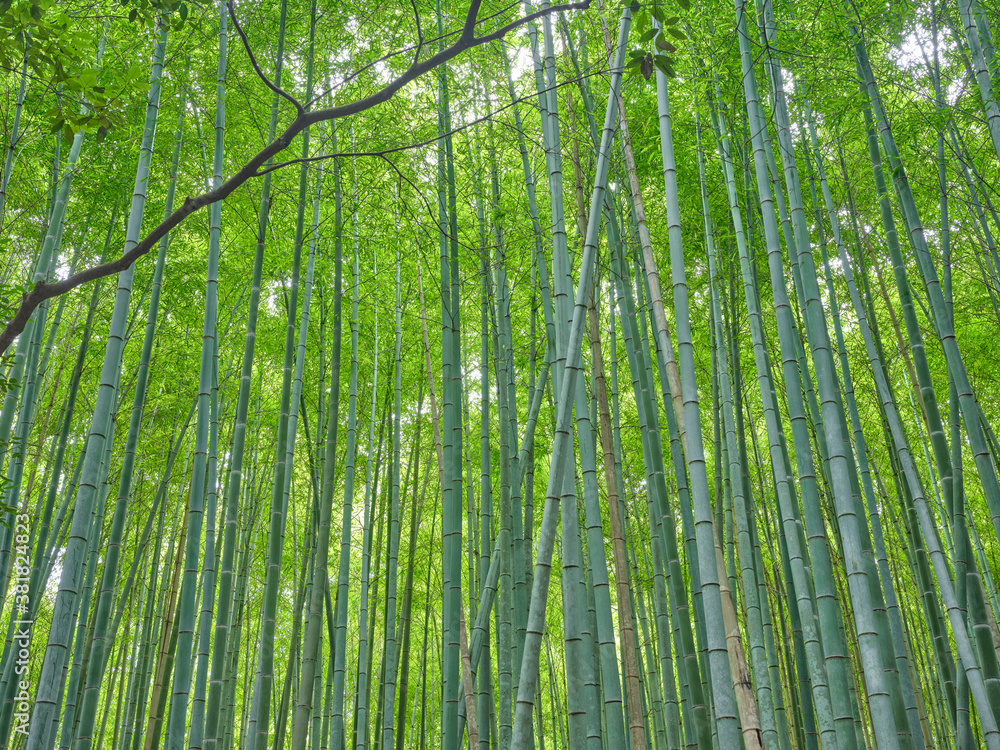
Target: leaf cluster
(55, 44)
(642, 61)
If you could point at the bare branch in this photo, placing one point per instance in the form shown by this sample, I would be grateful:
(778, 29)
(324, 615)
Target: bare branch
(416, 190)
(469, 30)
(416, 48)
(420, 33)
(420, 144)
(504, 30)
(45, 290)
(253, 61)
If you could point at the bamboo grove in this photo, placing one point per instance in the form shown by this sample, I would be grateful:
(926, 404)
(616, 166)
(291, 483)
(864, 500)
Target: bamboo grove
(592, 376)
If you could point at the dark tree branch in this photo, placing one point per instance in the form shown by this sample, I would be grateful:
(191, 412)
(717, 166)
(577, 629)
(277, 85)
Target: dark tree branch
(469, 30)
(47, 290)
(253, 61)
(413, 47)
(420, 68)
(420, 33)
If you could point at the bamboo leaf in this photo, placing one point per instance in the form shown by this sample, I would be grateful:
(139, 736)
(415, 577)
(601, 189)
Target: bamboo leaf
(664, 63)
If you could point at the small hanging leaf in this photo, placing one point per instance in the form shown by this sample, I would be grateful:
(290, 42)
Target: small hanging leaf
(676, 33)
(646, 68)
(634, 7)
(647, 35)
(664, 46)
(685, 4)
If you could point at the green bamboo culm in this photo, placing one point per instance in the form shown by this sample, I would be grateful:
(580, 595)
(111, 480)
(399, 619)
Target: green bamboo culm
(49, 697)
(97, 660)
(818, 571)
(558, 475)
(8, 162)
(264, 680)
(850, 535)
(337, 724)
(187, 609)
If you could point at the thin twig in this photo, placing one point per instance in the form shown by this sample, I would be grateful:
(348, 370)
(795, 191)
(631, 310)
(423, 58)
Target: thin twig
(429, 141)
(253, 61)
(418, 47)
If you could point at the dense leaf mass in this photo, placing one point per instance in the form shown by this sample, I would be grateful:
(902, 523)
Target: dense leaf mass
(414, 374)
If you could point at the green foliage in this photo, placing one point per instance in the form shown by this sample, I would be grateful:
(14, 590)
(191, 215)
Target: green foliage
(56, 42)
(643, 62)
(695, 46)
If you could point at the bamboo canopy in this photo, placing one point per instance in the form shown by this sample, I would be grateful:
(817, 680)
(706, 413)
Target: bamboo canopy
(593, 375)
